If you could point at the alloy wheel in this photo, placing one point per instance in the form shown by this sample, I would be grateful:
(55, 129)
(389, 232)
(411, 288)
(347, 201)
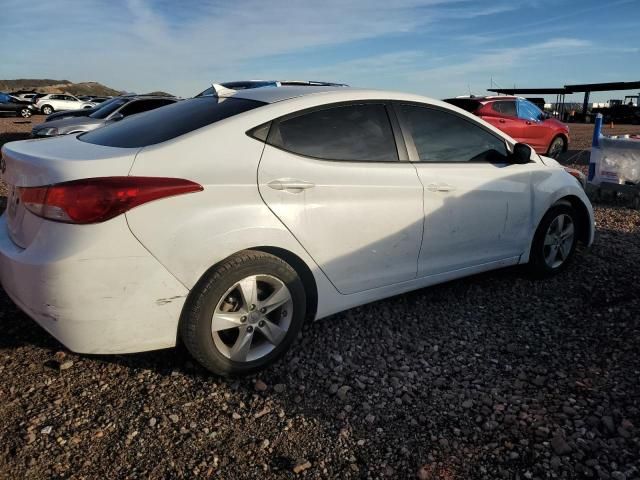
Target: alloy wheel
(556, 148)
(558, 240)
(252, 318)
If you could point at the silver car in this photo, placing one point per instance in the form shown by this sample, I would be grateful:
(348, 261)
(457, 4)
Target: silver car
(115, 110)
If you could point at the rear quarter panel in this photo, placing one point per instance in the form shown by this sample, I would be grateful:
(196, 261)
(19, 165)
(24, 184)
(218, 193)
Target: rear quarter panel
(190, 233)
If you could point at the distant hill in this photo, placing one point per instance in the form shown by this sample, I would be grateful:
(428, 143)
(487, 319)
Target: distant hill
(45, 85)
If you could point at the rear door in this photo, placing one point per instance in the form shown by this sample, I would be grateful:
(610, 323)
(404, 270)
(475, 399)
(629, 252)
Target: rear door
(476, 205)
(334, 177)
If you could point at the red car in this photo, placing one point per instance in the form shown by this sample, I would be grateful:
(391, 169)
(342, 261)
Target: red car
(520, 119)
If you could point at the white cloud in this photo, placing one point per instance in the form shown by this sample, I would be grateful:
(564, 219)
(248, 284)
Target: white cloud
(133, 44)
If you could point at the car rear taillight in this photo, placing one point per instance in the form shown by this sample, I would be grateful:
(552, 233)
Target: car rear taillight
(95, 200)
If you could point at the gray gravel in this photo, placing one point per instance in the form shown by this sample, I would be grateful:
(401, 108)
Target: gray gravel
(494, 376)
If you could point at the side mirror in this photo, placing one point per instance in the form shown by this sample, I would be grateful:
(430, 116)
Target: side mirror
(117, 117)
(521, 154)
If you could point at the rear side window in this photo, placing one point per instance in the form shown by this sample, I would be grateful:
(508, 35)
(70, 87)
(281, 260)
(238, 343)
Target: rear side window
(162, 124)
(507, 107)
(445, 137)
(352, 133)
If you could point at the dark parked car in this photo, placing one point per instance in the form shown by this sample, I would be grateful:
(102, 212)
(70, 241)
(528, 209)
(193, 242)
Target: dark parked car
(107, 113)
(13, 106)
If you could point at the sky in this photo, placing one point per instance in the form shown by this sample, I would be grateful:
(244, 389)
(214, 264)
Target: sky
(437, 48)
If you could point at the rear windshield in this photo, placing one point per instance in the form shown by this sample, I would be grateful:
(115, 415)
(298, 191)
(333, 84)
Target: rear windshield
(168, 122)
(467, 104)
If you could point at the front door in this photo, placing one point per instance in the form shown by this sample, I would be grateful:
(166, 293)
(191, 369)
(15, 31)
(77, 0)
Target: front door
(535, 132)
(476, 205)
(334, 178)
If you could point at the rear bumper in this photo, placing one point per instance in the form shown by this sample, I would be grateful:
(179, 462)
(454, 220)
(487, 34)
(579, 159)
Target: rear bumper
(93, 287)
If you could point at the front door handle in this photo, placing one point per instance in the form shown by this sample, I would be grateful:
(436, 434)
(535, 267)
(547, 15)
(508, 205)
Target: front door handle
(290, 184)
(440, 187)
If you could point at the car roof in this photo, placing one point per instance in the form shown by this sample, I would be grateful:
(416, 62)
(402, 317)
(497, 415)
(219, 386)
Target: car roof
(486, 98)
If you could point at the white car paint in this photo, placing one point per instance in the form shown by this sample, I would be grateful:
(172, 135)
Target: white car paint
(119, 286)
(61, 102)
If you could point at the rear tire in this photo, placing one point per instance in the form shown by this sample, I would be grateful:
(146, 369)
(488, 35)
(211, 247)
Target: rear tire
(556, 147)
(25, 112)
(243, 314)
(47, 109)
(554, 242)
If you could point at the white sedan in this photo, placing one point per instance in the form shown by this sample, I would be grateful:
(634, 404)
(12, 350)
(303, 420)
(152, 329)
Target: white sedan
(225, 222)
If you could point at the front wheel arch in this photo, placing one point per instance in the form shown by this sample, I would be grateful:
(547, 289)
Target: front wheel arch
(565, 142)
(584, 219)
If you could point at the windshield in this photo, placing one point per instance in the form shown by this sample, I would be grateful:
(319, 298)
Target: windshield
(108, 107)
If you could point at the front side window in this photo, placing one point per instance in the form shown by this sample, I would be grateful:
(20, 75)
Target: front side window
(528, 111)
(505, 107)
(440, 136)
(352, 133)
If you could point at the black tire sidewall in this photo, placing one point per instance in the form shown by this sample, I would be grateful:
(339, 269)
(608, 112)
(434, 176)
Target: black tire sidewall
(204, 298)
(537, 264)
(556, 139)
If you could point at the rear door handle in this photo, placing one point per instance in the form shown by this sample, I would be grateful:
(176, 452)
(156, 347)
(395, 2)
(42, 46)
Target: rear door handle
(290, 184)
(502, 120)
(440, 187)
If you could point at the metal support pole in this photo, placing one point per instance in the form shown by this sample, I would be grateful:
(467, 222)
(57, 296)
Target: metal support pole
(585, 104)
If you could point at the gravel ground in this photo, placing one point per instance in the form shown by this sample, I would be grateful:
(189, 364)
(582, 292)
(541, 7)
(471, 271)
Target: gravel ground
(494, 376)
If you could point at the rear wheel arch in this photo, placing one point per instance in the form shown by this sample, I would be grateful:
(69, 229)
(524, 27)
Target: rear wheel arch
(299, 265)
(565, 141)
(303, 271)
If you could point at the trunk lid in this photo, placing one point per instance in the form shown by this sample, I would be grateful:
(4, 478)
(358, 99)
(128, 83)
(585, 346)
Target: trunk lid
(33, 163)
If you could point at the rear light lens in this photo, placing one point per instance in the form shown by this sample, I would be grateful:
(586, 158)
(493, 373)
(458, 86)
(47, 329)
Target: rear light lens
(95, 200)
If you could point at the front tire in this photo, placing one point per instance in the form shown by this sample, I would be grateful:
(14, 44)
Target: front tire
(243, 314)
(25, 113)
(556, 147)
(47, 109)
(554, 242)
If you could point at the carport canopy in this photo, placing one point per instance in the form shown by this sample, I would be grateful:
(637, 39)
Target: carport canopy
(587, 88)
